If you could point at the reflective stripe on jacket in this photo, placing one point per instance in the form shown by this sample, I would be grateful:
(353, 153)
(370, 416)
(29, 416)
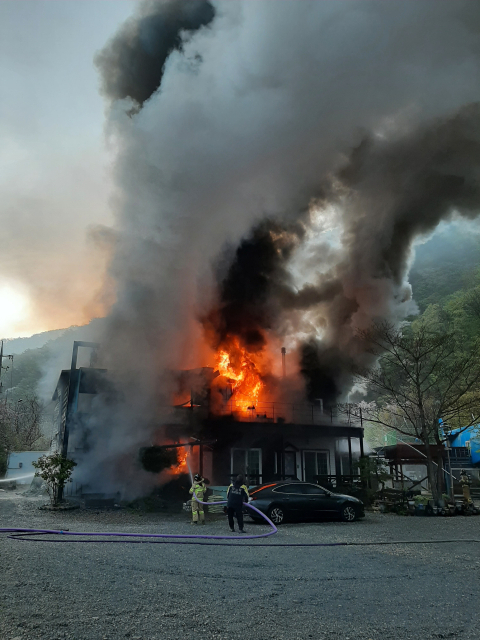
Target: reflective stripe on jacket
(199, 489)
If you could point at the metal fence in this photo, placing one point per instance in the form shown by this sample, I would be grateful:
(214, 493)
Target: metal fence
(282, 412)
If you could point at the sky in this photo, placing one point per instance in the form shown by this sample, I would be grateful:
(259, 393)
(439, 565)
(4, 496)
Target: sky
(55, 162)
(232, 128)
(266, 90)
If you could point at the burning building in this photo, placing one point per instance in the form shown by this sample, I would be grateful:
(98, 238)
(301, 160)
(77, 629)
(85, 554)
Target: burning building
(220, 423)
(272, 440)
(269, 195)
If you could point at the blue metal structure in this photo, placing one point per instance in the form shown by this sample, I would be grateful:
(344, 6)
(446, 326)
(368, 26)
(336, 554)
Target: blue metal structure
(467, 439)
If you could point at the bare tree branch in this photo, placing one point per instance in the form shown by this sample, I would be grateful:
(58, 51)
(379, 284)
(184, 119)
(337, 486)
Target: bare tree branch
(422, 376)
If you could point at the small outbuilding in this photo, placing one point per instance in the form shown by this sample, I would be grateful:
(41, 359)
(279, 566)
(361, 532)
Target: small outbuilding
(19, 465)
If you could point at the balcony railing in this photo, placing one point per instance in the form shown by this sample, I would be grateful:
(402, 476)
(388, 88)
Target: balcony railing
(280, 412)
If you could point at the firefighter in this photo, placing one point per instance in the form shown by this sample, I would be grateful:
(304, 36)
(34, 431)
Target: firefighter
(198, 490)
(465, 481)
(237, 494)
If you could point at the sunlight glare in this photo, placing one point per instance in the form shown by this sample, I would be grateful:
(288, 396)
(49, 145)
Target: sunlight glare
(14, 311)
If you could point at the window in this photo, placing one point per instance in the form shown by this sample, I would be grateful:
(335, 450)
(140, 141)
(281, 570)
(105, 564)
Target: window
(289, 467)
(345, 467)
(312, 490)
(290, 488)
(248, 462)
(315, 464)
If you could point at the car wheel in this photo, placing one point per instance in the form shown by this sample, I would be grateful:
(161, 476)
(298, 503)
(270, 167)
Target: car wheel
(276, 514)
(348, 513)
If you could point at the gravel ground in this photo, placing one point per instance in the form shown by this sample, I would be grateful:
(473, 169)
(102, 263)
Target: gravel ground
(105, 591)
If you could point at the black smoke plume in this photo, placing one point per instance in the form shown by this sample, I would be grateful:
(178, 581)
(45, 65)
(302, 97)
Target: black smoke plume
(155, 459)
(133, 62)
(255, 286)
(262, 129)
(247, 283)
(389, 193)
(401, 189)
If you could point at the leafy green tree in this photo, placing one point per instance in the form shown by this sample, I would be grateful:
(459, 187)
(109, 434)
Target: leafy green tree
(422, 375)
(371, 468)
(472, 302)
(56, 471)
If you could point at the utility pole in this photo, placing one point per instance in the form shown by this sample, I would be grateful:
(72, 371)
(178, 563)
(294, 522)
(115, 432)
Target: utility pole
(10, 357)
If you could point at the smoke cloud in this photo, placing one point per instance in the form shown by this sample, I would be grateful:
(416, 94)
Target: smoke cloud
(390, 192)
(132, 65)
(316, 140)
(246, 294)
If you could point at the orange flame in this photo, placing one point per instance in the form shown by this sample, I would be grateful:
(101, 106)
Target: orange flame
(181, 466)
(235, 364)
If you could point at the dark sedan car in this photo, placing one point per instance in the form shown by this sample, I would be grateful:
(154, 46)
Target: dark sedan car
(290, 500)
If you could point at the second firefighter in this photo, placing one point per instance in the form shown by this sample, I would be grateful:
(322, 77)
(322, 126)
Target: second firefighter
(198, 490)
(237, 494)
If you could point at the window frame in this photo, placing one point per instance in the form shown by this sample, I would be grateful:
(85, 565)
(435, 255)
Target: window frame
(322, 490)
(290, 484)
(304, 451)
(245, 451)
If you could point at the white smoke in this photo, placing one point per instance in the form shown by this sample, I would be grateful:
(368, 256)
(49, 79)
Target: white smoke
(255, 112)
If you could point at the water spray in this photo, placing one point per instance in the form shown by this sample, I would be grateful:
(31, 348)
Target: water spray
(29, 475)
(189, 470)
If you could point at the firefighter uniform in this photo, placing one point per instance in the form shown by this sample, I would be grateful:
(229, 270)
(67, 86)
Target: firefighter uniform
(198, 489)
(237, 494)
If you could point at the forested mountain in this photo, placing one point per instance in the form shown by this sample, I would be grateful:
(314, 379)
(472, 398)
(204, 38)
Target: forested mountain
(447, 263)
(28, 381)
(445, 274)
(445, 279)
(19, 345)
(36, 370)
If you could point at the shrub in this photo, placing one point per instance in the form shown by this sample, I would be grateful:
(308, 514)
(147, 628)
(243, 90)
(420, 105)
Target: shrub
(55, 470)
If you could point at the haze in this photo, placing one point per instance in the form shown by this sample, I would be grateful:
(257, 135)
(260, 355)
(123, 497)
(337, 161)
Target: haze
(54, 162)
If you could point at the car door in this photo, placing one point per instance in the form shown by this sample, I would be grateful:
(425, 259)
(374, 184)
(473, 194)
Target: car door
(290, 497)
(318, 500)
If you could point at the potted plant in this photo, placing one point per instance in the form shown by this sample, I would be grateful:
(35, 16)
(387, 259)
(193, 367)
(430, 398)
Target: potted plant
(421, 503)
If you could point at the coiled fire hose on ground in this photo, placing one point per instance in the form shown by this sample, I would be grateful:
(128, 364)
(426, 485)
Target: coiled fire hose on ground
(171, 538)
(27, 534)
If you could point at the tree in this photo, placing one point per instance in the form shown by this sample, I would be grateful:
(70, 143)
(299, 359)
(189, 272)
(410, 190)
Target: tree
(373, 468)
(422, 376)
(472, 302)
(20, 426)
(56, 471)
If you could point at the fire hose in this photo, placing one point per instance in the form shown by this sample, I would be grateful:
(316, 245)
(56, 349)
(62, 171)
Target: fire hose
(25, 534)
(171, 538)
